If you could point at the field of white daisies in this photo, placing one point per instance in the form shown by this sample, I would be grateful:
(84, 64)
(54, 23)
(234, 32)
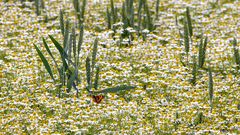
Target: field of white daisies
(119, 67)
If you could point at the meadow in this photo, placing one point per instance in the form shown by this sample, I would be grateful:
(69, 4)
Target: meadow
(119, 67)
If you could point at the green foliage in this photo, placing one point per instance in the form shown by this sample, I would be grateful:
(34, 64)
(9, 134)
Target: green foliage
(74, 44)
(236, 52)
(80, 10)
(210, 87)
(96, 78)
(113, 12)
(144, 15)
(76, 6)
(157, 9)
(198, 119)
(90, 69)
(109, 19)
(88, 74)
(63, 54)
(194, 71)
(80, 41)
(66, 35)
(94, 54)
(71, 80)
(189, 22)
(45, 62)
(61, 19)
(202, 52)
(150, 25)
(83, 10)
(186, 38)
(69, 49)
(68, 72)
(39, 5)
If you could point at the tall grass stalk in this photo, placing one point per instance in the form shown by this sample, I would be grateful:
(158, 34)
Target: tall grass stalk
(66, 35)
(189, 22)
(210, 87)
(109, 19)
(37, 6)
(80, 10)
(114, 17)
(74, 44)
(157, 9)
(61, 19)
(236, 53)
(194, 71)
(202, 52)
(140, 4)
(186, 40)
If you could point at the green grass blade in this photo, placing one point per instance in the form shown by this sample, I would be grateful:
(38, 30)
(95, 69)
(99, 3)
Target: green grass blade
(50, 53)
(70, 49)
(131, 9)
(61, 51)
(57, 45)
(124, 18)
(42, 4)
(61, 22)
(94, 54)
(149, 20)
(80, 41)
(113, 11)
(157, 9)
(83, 10)
(96, 79)
(76, 5)
(47, 48)
(66, 35)
(140, 3)
(200, 53)
(210, 87)
(189, 22)
(194, 71)
(37, 5)
(74, 45)
(70, 81)
(204, 51)
(108, 19)
(186, 38)
(88, 73)
(236, 52)
(45, 62)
